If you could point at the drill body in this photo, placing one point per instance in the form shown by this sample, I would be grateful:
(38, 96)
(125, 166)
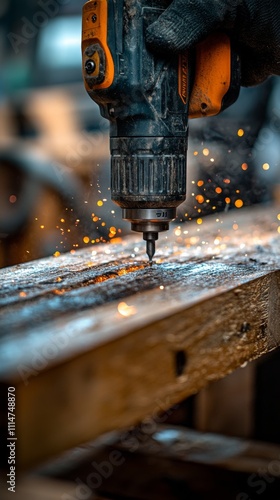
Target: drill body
(146, 98)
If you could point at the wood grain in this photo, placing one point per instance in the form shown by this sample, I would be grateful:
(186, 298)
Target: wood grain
(99, 339)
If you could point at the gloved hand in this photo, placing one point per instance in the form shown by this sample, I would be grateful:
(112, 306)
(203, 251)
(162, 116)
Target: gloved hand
(253, 25)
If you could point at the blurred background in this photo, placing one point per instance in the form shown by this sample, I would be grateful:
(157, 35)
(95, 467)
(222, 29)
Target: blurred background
(55, 179)
(54, 150)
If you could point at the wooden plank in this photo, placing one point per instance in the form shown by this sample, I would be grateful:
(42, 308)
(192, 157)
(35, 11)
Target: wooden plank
(155, 461)
(97, 340)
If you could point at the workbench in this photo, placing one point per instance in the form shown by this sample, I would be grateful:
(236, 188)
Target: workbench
(97, 339)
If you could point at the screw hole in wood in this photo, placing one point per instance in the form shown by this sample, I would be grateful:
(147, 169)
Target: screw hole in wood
(180, 362)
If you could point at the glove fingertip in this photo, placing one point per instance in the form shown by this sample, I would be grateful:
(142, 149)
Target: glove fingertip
(164, 35)
(154, 36)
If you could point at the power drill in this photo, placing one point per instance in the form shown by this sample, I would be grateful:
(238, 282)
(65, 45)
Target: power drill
(147, 98)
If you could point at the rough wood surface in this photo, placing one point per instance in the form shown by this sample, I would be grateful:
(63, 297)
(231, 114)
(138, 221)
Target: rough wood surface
(98, 339)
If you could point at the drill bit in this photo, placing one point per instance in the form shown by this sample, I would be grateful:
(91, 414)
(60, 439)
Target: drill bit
(150, 237)
(149, 222)
(150, 249)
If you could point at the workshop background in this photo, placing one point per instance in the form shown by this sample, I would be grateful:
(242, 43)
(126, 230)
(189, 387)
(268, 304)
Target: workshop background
(54, 152)
(55, 181)
(55, 187)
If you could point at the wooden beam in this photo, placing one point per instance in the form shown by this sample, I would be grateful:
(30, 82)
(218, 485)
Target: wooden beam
(155, 461)
(98, 339)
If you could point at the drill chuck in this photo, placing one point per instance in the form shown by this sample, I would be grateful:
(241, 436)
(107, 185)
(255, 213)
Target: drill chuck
(150, 219)
(148, 172)
(150, 222)
(148, 181)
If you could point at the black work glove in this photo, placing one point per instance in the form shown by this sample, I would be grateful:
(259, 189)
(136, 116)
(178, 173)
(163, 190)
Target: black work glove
(253, 25)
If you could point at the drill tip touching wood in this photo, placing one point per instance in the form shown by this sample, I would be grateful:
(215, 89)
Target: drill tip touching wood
(149, 222)
(150, 237)
(150, 249)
